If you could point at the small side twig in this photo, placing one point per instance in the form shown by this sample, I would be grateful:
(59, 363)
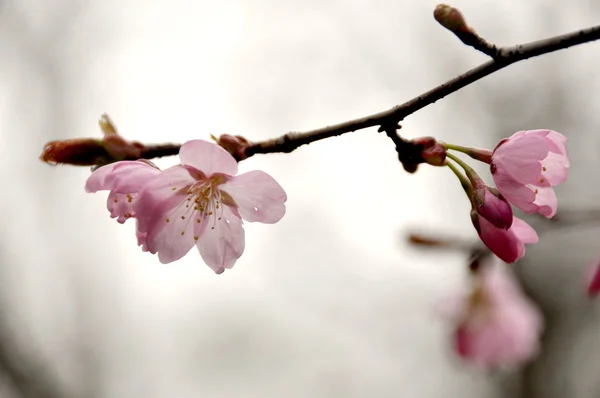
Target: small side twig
(452, 19)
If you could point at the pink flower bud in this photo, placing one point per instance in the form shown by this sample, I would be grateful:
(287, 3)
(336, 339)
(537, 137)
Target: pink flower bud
(507, 244)
(492, 206)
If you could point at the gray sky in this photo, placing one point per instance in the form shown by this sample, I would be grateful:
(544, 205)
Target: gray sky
(329, 302)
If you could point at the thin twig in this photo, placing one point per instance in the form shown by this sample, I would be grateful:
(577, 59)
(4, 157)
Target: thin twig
(505, 56)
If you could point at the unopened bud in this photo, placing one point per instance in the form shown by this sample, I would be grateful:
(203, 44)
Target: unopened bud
(236, 145)
(433, 152)
(451, 18)
(492, 206)
(91, 151)
(79, 152)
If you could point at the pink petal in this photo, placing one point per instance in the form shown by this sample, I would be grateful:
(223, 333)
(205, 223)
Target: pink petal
(516, 193)
(523, 231)
(258, 196)
(560, 142)
(208, 158)
(123, 177)
(503, 243)
(520, 158)
(556, 168)
(158, 196)
(141, 240)
(120, 206)
(223, 243)
(172, 236)
(547, 202)
(97, 180)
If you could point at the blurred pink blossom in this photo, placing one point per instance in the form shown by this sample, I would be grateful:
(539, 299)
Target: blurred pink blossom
(199, 202)
(527, 165)
(594, 281)
(507, 244)
(496, 325)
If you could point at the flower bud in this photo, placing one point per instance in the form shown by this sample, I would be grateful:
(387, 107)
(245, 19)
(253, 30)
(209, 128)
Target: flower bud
(492, 206)
(451, 18)
(433, 152)
(79, 152)
(236, 145)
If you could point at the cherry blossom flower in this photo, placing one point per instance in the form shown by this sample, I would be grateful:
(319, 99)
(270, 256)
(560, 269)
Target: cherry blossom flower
(594, 281)
(197, 203)
(527, 165)
(124, 180)
(507, 244)
(496, 325)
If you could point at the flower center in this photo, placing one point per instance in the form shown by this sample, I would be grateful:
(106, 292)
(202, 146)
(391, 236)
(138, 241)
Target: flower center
(204, 198)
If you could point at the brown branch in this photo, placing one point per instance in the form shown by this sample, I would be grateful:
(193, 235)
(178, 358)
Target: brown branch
(506, 57)
(392, 117)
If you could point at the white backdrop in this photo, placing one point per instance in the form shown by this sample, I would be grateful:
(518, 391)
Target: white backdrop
(329, 302)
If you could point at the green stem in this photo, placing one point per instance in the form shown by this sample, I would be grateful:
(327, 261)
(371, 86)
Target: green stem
(464, 181)
(468, 169)
(483, 155)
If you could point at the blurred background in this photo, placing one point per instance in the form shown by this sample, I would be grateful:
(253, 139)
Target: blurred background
(331, 301)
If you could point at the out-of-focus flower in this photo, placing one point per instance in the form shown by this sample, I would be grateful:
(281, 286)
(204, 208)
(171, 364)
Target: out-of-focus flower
(199, 202)
(507, 244)
(496, 325)
(527, 165)
(594, 281)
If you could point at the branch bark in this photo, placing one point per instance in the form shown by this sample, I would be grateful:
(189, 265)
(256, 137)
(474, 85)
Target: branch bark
(392, 117)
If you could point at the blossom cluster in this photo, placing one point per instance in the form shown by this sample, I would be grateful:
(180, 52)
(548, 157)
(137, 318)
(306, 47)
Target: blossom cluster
(202, 202)
(525, 168)
(496, 325)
